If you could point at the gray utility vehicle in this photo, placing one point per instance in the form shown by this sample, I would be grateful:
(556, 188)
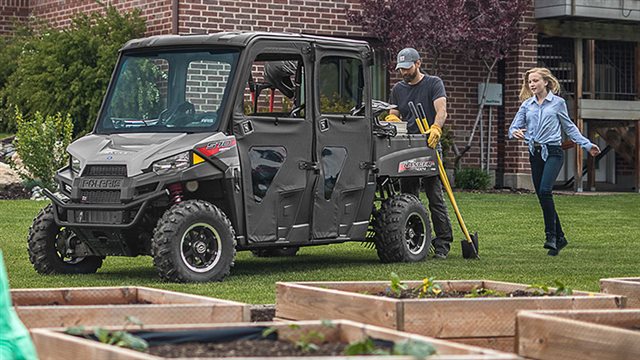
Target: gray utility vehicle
(189, 162)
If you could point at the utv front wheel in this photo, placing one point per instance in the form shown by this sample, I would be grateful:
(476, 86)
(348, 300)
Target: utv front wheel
(50, 248)
(403, 233)
(193, 242)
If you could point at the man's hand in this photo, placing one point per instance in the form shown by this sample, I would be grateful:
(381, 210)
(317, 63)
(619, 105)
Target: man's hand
(434, 135)
(595, 150)
(519, 134)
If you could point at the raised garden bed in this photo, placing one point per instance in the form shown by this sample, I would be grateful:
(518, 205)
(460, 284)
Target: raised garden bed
(58, 345)
(487, 322)
(105, 306)
(578, 335)
(629, 287)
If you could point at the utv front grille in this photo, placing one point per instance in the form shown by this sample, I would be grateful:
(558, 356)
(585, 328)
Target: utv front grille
(100, 196)
(105, 170)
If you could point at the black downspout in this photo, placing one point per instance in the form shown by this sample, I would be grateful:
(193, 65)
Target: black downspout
(501, 128)
(174, 17)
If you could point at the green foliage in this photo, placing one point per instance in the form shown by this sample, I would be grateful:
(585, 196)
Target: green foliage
(120, 338)
(479, 292)
(41, 143)
(68, 71)
(396, 286)
(366, 346)
(335, 104)
(429, 288)
(473, 179)
(545, 290)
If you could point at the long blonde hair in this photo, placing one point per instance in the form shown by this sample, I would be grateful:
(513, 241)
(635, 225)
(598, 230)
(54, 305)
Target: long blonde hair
(553, 84)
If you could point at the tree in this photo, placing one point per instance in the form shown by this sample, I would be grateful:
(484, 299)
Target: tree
(433, 25)
(494, 30)
(480, 30)
(68, 70)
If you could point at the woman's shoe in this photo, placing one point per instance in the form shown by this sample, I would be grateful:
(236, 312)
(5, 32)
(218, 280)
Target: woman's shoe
(560, 244)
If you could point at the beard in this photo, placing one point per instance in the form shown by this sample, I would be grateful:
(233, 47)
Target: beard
(410, 77)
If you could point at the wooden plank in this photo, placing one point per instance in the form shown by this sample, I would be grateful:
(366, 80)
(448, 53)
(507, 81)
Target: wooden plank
(591, 164)
(158, 296)
(591, 77)
(588, 30)
(64, 316)
(302, 302)
(501, 343)
(53, 345)
(609, 109)
(544, 336)
(629, 287)
(75, 296)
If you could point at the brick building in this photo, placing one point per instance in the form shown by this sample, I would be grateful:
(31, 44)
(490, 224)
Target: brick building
(593, 48)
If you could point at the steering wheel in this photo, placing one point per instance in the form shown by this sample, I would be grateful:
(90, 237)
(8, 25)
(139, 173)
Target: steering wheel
(295, 112)
(180, 115)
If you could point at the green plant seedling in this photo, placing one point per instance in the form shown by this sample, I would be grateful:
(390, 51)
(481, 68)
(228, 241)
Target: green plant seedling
(396, 287)
(365, 346)
(429, 288)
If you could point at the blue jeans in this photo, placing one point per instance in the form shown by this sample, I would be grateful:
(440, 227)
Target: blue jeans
(544, 174)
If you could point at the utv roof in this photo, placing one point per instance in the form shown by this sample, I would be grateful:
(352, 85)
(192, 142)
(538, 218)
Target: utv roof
(239, 39)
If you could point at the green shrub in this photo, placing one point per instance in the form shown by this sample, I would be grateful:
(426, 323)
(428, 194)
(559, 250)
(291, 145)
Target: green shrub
(473, 179)
(67, 71)
(41, 143)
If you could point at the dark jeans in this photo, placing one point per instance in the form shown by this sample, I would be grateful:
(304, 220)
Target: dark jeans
(439, 214)
(544, 174)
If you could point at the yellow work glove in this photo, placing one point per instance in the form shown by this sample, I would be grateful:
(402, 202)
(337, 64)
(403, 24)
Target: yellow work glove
(392, 118)
(434, 135)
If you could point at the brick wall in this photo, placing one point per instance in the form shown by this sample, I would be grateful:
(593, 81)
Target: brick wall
(58, 13)
(329, 18)
(11, 13)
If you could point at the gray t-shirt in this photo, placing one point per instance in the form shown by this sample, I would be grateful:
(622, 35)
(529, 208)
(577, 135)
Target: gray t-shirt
(425, 92)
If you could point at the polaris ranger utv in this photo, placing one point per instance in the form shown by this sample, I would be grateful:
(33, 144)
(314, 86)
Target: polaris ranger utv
(209, 144)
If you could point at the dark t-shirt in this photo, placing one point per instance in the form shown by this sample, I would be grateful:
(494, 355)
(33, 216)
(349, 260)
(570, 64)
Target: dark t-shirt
(426, 91)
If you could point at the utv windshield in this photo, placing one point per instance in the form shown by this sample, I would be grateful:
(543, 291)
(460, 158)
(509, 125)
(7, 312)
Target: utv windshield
(173, 91)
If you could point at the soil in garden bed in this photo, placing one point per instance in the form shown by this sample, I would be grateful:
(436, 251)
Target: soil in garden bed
(244, 348)
(263, 312)
(479, 293)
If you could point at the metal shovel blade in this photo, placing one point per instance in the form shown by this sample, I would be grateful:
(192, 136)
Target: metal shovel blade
(470, 249)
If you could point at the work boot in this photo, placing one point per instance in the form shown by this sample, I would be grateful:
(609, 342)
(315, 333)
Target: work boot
(550, 243)
(560, 244)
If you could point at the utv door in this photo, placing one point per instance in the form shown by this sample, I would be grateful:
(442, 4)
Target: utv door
(274, 136)
(343, 146)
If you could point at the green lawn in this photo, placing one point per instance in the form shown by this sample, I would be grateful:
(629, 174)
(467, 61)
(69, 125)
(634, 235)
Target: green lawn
(603, 233)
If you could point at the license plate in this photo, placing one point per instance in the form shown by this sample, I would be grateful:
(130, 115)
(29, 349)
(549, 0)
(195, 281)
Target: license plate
(101, 183)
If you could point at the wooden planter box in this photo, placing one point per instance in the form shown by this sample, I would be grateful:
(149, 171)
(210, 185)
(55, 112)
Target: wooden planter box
(105, 306)
(586, 334)
(53, 344)
(629, 287)
(486, 322)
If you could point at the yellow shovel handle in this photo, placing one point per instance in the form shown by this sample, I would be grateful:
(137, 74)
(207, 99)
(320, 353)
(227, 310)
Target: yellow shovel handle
(423, 125)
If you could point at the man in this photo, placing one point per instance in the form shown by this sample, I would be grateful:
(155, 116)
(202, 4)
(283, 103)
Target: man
(428, 91)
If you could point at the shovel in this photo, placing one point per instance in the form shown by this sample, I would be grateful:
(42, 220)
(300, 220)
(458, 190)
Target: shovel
(470, 243)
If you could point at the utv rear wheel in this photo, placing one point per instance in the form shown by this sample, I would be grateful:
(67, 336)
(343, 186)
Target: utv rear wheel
(276, 252)
(50, 248)
(403, 233)
(194, 241)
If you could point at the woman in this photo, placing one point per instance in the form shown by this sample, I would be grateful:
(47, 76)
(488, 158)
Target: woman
(540, 121)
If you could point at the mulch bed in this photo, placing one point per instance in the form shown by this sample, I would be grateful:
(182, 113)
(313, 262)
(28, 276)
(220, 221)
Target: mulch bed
(14, 192)
(263, 312)
(253, 348)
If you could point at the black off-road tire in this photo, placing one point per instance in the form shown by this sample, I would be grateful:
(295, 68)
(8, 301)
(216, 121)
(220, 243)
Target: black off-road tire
(194, 241)
(276, 252)
(46, 257)
(403, 232)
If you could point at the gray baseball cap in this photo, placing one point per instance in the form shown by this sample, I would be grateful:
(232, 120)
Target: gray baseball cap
(406, 58)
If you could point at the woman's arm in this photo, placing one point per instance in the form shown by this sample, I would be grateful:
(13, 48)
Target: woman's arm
(517, 128)
(570, 128)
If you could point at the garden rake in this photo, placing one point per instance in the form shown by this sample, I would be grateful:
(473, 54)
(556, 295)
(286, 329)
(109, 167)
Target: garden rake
(470, 243)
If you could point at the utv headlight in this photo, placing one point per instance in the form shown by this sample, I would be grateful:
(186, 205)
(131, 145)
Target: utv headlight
(75, 164)
(173, 163)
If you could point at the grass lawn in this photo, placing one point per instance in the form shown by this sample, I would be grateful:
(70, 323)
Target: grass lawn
(603, 233)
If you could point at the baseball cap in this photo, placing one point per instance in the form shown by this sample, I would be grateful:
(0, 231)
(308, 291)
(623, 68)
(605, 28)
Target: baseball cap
(407, 57)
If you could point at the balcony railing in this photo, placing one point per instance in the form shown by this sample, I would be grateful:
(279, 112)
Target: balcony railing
(619, 10)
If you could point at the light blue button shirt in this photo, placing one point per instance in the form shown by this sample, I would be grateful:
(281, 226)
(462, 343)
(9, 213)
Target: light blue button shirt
(544, 124)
